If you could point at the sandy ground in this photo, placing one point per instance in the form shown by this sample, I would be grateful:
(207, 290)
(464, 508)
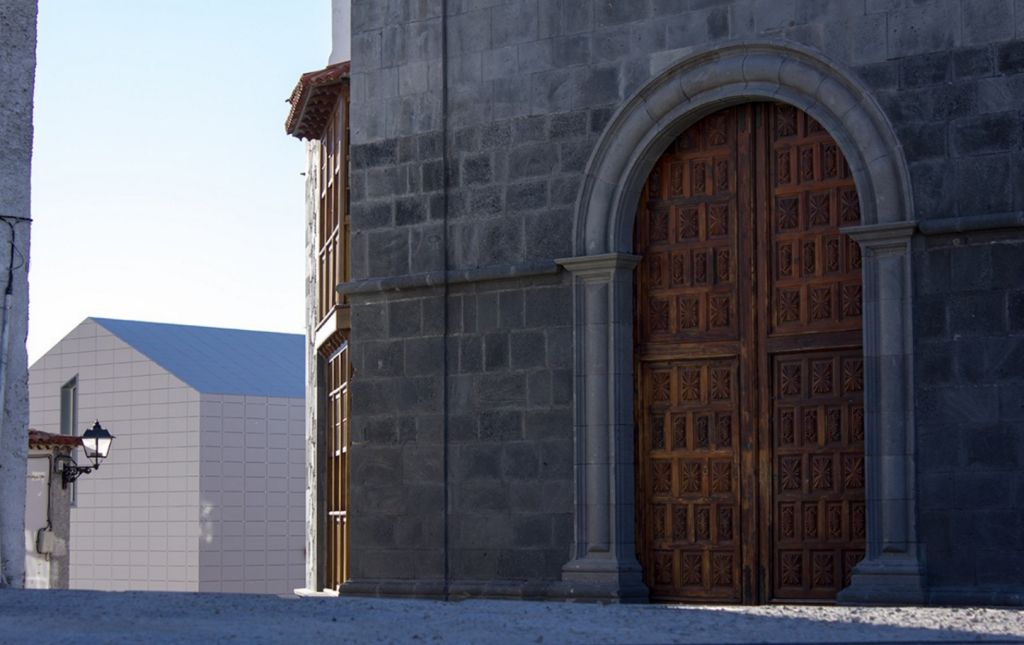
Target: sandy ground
(40, 617)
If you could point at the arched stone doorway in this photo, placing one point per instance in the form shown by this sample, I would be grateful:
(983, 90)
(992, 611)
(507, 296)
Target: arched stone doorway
(603, 562)
(749, 368)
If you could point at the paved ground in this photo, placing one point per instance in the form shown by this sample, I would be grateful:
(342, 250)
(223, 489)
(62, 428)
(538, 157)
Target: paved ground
(41, 617)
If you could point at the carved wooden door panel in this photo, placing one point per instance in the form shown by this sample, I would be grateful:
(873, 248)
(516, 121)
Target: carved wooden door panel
(689, 331)
(692, 479)
(748, 363)
(812, 360)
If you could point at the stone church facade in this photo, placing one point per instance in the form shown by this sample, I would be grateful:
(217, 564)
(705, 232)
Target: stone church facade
(703, 300)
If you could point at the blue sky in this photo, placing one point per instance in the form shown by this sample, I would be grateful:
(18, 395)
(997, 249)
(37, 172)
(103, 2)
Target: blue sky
(163, 185)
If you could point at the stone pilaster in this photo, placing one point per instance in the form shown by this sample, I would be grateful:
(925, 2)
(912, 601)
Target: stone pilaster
(891, 571)
(604, 561)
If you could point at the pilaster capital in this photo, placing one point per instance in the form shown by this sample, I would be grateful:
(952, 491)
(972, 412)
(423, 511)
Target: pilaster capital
(891, 235)
(599, 268)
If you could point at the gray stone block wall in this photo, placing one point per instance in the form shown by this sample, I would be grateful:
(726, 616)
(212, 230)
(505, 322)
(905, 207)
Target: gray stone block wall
(397, 495)
(396, 529)
(969, 319)
(502, 103)
(510, 430)
(957, 111)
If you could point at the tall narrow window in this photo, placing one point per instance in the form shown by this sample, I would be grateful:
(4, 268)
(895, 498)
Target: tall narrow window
(333, 268)
(69, 419)
(336, 453)
(333, 224)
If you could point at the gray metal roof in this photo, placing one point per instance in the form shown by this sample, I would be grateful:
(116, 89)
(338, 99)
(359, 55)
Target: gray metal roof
(220, 361)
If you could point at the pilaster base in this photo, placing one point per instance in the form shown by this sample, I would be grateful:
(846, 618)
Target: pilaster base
(885, 581)
(603, 580)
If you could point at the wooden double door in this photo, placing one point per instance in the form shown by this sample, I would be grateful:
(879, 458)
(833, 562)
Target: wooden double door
(749, 366)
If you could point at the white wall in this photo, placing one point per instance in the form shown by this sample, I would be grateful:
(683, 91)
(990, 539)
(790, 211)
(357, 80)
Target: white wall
(341, 31)
(136, 524)
(252, 494)
(200, 492)
(37, 501)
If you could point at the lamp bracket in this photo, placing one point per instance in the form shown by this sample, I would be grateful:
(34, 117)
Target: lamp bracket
(70, 471)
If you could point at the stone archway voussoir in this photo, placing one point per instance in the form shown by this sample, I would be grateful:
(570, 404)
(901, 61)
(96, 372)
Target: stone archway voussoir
(886, 205)
(796, 74)
(761, 68)
(836, 97)
(720, 72)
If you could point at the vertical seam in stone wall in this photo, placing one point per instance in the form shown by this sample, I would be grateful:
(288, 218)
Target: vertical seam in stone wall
(444, 293)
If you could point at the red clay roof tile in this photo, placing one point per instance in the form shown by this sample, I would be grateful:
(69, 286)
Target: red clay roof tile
(40, 439)
(313, 100)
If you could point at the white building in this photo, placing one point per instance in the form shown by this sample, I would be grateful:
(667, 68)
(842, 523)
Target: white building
(204, 486)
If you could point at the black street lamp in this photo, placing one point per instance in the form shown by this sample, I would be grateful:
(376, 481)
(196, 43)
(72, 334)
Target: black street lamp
(96, 443)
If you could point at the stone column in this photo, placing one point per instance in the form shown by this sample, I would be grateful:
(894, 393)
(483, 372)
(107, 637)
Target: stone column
(891, 570)
(604, 564)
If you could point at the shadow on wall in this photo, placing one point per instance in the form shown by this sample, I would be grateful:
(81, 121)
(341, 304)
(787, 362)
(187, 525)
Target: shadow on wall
(190, 617)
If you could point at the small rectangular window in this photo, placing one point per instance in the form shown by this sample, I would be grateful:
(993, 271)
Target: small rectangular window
(69, 408)
(69, 421)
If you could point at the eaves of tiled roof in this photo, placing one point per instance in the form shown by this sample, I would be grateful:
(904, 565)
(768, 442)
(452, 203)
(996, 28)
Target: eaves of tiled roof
(40, 439)
(313, 100)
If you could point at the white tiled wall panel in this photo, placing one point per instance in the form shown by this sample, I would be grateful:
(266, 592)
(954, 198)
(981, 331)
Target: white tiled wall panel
(201, 492)
(252, 483)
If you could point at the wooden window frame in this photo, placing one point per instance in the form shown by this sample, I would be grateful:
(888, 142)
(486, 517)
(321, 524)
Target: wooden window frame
(333, 218)
(333, 266)
(336, 370)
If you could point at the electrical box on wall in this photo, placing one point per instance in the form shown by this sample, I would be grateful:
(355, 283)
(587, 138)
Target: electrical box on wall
(45, 540)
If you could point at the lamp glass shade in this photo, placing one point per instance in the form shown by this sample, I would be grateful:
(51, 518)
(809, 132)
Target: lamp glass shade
(96, 443)
(103, 447)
